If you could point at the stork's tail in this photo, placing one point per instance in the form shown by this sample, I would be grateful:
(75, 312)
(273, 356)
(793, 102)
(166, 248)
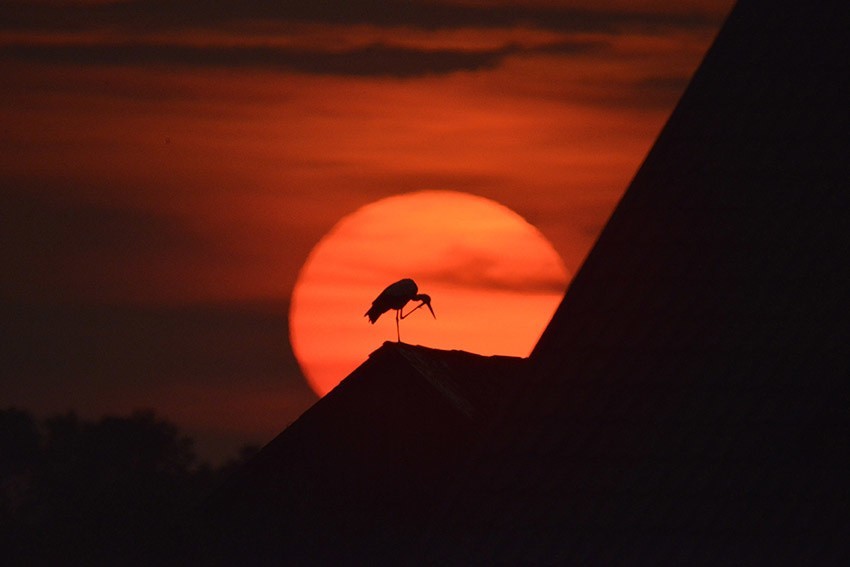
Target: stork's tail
(373, 314)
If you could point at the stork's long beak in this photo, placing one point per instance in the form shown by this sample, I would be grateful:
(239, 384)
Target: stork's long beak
(431, 309)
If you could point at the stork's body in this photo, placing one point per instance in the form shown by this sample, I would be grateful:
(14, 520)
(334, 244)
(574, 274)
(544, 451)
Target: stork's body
(396, 296)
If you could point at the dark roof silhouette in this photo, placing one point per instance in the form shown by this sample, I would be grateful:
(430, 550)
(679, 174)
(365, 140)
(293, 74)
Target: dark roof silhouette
(358, 474)
(688, 403)
(691, 398)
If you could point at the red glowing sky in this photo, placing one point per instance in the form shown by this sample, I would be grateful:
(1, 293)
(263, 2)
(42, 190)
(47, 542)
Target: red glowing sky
(167, 168)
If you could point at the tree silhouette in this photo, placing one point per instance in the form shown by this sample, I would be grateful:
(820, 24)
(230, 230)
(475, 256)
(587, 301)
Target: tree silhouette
(118, 489)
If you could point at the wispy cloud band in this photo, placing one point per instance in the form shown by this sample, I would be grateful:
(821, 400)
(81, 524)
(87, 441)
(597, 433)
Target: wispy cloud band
(370, 60)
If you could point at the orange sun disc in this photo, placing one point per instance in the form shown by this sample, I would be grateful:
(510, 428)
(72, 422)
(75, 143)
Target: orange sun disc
(494, 282)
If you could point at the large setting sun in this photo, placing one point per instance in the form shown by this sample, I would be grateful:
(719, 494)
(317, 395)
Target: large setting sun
(494, 280)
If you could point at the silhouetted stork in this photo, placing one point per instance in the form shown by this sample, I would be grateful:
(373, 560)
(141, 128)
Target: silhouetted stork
(396, 297)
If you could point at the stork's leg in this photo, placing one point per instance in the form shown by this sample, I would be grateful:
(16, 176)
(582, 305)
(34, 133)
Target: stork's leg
(397, 331)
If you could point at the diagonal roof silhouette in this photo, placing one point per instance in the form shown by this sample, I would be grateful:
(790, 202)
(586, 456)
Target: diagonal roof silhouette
(355, 479)
(690, 397)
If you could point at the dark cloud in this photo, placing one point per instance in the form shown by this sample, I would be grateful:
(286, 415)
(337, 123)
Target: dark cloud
(165, 14)
(473, 268)
(519, 283)
(133, 22)
(372, 60)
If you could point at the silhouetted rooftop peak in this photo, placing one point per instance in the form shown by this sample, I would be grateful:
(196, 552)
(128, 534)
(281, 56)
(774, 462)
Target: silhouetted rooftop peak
(367, 464)
(477, 386)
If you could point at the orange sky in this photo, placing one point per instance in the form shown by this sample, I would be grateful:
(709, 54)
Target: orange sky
(166, 169)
